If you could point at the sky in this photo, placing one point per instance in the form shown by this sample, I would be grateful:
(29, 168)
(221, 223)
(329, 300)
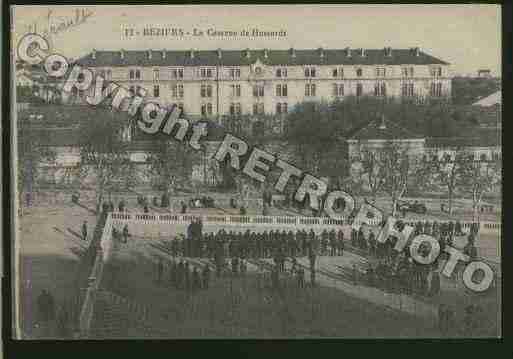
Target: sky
(467, 36)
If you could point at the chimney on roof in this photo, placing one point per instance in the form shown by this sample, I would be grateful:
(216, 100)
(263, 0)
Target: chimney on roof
(361, 51)
(266, 55)
(348, 52)
(248, 53)
(292, 52)
(192, 53)
(122, 54)
(416, 51)
(164, 53)
(93, 54)
(149, 54)
(382, 126)
(219, 54)
(388, 51)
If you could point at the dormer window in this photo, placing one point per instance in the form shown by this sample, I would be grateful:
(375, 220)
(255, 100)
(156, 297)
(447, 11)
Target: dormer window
(436, 71)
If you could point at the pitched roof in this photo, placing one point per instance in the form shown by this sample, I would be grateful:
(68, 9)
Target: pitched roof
(382, 129)
(490, 100)
(274, 57)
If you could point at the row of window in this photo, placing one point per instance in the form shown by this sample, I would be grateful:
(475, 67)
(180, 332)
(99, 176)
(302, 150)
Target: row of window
(407, 90)
(280, 72)
(258, 108)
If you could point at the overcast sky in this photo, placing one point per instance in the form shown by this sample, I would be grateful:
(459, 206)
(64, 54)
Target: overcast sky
(467, 36)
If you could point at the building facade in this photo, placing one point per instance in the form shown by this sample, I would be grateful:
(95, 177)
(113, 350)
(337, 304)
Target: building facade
(216, 83)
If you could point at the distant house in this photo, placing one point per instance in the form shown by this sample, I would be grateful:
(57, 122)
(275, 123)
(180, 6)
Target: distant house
(375, 135)
(490, 100)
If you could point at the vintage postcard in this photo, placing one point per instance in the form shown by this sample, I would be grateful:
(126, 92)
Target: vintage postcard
(277, 171)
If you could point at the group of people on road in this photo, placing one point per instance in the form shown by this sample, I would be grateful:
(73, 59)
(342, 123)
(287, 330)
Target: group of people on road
(181, 276)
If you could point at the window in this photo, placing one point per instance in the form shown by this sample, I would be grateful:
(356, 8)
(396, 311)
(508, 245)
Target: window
(380, 89)
(338, 72)
(359, 89)
(206, 90)
(177, 73)
(495, 156)
(281, 107)
(338, 90)
(206, 72)
(156, 75)
(156, 91)
(310, 72)
(206, 109)
(381, 72)
(281, 72)
(234, 73)
(407, 90)
(138, 74)
(235, 109)
(177, 91)
(235, 90)
(436, 89)
(310, 90)
(258, 90)
(131, 74)
(359, 72)
(436, 71)
(258, 109)
(281, 90)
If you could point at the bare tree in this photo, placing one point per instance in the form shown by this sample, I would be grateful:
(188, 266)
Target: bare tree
(372, 166)
(479, 178)
(396, 169)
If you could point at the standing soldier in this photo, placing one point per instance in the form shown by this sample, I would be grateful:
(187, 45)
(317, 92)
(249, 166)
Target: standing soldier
(324, 242)
(206, 276)
(301, 278)
(354, 240)
(311, 257)
(333, 244)
(125, 233)
(340, 239)
(196, 282)
(84, 231)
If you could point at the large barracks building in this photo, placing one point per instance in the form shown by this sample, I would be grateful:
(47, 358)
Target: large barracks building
(214, 83)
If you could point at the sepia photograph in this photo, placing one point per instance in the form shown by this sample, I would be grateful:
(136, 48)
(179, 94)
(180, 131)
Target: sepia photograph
(256, 171)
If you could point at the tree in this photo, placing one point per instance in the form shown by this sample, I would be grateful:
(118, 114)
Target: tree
(449, 173)
(32, 153)
(396, 168)
(372, 171)
(103, 153)
(171, 163)
(479, 178)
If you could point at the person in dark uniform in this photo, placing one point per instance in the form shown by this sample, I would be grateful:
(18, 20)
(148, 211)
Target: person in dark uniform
(125, 233)
(206, 276)
(84, 231)
(291, 243)
(434, 287)
(187, 276)
(159, 271)
(196, 282)
(324, 242)
(235, 265)
(45, 306)
(332, 240)
(301, 278)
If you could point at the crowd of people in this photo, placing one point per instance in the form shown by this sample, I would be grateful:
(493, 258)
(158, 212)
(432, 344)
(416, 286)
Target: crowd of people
(397, 271)
(181, 276)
